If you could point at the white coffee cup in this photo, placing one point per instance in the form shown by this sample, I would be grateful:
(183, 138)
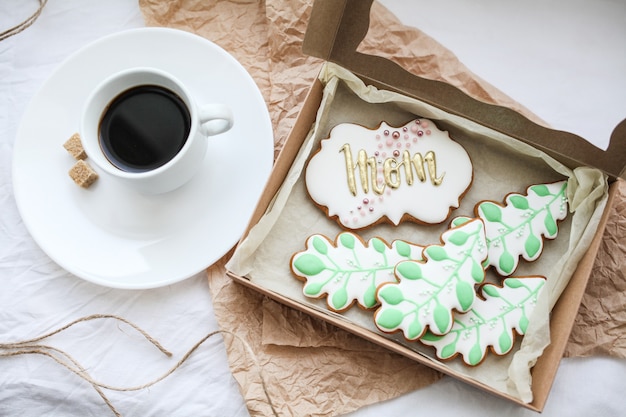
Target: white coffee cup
(177, 168)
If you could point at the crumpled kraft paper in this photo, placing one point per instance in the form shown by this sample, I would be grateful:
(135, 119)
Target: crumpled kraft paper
(304, 361)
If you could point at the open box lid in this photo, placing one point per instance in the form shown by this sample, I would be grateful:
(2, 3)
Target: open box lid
(337, 27)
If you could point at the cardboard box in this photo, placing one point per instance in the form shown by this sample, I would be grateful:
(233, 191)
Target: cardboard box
(334, 32)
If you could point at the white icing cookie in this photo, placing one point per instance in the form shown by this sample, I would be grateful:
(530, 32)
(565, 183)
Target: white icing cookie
(429, 290)
(363, 176)
(517, 228)
(349, 270)
(490, 322)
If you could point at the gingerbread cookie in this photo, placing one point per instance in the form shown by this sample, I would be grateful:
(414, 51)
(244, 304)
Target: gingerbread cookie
(428, 291)
(491, 321)
(349, 270)
(518, 227)
(363, 176)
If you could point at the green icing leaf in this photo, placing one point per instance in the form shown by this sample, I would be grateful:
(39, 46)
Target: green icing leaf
(541, 190)
(369, 297)
(340, 299)
(491, 212)
(442, 317)
(378, 245)
(513, 283)
(391, 294)
(507, 262)
(414, 330)
(313, 289)
(491, 291)
(410, 270)
(550, 224)
(460, 221)
(465, 293)
(320, 245)
(430, 337)
(523, 324)
(403, 249)
(347, 240)
(309, 264)
(389, 318)
(532, 245)
(459, 238)
(448, 351)
(519, 202)
(476, 354)
(504, 341)
(478, 272)
(436, 253)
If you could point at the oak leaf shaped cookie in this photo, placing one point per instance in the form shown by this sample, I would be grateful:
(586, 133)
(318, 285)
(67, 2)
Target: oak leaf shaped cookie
(491, 321)
(518, 227)
(429, 290)
(349, 269)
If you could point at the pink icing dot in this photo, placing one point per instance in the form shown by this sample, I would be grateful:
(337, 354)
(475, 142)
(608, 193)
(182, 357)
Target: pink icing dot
(415, 140)
(414, 128)
(408, 144)
(389, 142)
(384, 154)
(424, 125)
(362, 213)
(380, 145)
(406, 137)
(377, 137)
(399, 145)
(428, 131)
(355, 219)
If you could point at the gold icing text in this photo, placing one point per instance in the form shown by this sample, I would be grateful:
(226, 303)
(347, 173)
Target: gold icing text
(366, 169)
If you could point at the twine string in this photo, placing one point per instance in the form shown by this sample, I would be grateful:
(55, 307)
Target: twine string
(31, 347)
(25, 24)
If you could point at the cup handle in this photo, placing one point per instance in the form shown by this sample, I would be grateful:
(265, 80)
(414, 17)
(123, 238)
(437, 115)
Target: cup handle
(215, 119)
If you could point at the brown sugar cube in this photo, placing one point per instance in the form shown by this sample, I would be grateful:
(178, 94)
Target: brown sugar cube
(83, 174)
(74, 146)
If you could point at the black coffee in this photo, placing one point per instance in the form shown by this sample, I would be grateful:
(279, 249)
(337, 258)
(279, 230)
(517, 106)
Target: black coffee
(143, 128)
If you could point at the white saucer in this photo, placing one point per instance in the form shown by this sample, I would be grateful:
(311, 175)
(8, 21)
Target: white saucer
(108, 234)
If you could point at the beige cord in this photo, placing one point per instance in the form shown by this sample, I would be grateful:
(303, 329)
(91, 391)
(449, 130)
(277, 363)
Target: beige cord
(31, 347)
(26, 23)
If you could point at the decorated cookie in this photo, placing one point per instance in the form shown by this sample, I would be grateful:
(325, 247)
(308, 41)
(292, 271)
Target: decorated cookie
(428, 291)
(491, 321)
(349, 270)
(518, 227)
(364, 176)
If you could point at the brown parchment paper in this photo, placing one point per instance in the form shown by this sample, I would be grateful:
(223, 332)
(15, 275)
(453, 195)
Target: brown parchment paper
(312, 368)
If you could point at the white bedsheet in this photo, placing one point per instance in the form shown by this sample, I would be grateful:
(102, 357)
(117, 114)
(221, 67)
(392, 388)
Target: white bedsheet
(37, 296)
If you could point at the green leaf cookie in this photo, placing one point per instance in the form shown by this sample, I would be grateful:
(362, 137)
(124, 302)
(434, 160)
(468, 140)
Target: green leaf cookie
(429, 290)
(518, 228)
(349, 270)
(491, 321)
